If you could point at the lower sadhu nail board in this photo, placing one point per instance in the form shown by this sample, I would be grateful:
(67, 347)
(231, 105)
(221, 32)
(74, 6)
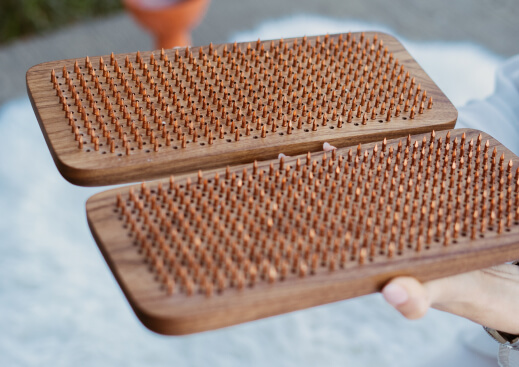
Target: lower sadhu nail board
(212, 249)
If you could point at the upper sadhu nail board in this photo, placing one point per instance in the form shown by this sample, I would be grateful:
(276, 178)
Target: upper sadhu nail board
(129, 117)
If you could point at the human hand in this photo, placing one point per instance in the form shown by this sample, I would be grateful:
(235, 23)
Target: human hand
(489, 297)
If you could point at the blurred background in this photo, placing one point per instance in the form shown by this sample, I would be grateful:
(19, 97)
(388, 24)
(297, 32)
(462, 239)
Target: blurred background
(34, 31)
(59, 303)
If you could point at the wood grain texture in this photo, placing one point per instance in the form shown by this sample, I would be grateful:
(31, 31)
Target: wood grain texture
(74, 107)
(428, 219)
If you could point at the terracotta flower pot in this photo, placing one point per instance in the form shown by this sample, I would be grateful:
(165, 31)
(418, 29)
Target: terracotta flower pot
(170, 25)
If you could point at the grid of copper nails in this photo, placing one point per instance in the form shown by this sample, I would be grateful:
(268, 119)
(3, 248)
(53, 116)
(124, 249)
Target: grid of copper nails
(205, 96)
(203, 235)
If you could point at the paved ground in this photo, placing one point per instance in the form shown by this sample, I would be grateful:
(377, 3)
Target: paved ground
(492, 23)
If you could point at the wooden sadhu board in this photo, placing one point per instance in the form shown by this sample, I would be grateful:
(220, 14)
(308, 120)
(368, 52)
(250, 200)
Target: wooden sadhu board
(129, 117)
(211, 249)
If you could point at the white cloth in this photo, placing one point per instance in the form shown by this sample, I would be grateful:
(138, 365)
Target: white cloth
(497, 115)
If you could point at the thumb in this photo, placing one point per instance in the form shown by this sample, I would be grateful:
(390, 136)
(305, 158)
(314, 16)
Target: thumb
(408, 296)
(412, 298)
(488, 297)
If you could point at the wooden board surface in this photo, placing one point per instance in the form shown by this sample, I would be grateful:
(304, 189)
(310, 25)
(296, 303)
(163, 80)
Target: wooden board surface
(206, 251)
(259, 86)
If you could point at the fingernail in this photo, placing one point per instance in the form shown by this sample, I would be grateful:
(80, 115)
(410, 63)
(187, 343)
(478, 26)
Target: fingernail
(395, 294)
(281, 155)
(327, 147)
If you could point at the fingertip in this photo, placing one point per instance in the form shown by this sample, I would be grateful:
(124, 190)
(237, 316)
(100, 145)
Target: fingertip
(407, 296)
(395, 294)
(328, 147)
